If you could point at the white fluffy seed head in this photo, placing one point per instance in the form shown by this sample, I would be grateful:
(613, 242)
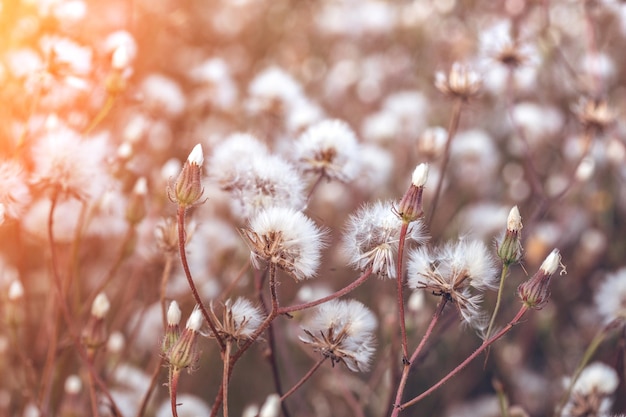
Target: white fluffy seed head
(271, 407)
(73, 384)
(610, 298)
(288, 238)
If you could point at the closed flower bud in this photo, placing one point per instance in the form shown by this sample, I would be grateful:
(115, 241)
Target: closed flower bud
(510, 249)
(184, 353)
(172, 332)
(536, 291)
(188, 189)
(410, 207)
(95, 333)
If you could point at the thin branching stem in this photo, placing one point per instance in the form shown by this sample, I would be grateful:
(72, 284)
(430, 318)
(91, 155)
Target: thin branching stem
(304, 378)
(153, 381)
(414, 356)
(345, 290)
(467, 361)
(226, 377)
(503, 275)
(589, 352)
(183, 258)
(452, 128)
(173, 386)
(400, 287)
(66, 312)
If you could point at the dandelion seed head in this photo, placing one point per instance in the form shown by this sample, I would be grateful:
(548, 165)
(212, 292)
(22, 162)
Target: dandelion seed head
(287, 238)
(343, 330)
(240, 319)
(372, 237)
(329, 148)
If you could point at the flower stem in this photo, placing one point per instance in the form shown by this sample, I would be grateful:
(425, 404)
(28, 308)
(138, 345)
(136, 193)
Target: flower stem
(591, 350)
(452, 128)
(420, 347)
(400, 299)
(173, 385)
(467, 361)
(226, 377)
(192, 285)
(104, 111)
(67, 316)
(345, 290)
(304, 378)
(503, 275)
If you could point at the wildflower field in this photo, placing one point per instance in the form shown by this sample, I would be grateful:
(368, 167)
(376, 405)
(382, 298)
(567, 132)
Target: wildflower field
(312, 208)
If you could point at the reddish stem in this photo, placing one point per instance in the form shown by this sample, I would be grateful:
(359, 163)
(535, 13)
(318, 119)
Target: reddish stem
(400, 300)
(466, 362)
(192, 285)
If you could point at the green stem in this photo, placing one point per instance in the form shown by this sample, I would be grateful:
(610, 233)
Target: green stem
(400, 287)
(591, 350)
(503, 275)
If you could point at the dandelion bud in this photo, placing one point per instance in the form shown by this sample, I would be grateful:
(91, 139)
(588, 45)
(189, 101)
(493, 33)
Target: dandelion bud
(184, 353)
(188, 187)
(510, 249)
(136, 210)
(410, 208)
(462, 82)
(121, 58)
(172, 332)
(594, 114)
(94, 333)
(536, 291)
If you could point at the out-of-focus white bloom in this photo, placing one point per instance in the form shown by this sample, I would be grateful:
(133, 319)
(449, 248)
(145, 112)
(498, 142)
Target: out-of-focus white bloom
(271, 89)
(66, 52)
(23, 62)
(381, 127)
(592, 391)
(537, 122)
(121, 58)
(431, 142)
(343, 331)
(610, 298)
(475, 159)
(232, 155)
(409, 108)
(216, 83)
(73, 384)
(372, 237)
(271, 406)
(239, 320)
(599, 66)
(302, 114)
(330, 149)
(287, 238)
(14, 193)
(121, 38)
(69, 11)
(163, 94)
(357, 18)
(453, 271)
(376, 169)
(100, 306)
(585, 169)
(16, 290)
(116, 342)
(188, 406)
(69, 164)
